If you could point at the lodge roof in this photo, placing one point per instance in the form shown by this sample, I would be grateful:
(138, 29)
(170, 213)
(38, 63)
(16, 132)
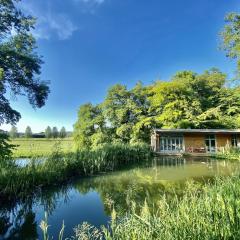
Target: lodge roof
(197, 131)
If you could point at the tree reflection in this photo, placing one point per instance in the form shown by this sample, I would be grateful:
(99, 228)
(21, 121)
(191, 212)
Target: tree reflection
(18, 219)
(120, 189)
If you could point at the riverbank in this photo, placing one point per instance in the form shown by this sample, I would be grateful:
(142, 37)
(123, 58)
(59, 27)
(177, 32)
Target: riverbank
(230, 154)
(59, 167)
(209, 211)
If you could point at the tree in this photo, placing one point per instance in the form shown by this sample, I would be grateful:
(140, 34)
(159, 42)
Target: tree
(13, 132)
(55, 132)
(89, 128)
(62, 133)
(28, 132)
(6, 147)
(231, 38)
(116, 119)
(20, 64)
(189, 100)
(48, 132)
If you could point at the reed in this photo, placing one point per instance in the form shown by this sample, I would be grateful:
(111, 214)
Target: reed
(59, 166)
(229, 154)
(209, 212)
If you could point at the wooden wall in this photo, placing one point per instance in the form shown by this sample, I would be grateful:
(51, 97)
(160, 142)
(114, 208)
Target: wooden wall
(223, 141)
(194, 141)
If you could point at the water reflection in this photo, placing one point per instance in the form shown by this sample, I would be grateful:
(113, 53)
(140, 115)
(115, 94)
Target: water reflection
(91, 199)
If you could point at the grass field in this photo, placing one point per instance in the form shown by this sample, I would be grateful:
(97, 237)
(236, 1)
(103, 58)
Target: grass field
(34, 147)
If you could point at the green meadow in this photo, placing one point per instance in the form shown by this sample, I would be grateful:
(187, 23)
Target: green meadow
(34, 147)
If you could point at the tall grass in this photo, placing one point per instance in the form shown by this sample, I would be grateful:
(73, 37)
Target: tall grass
(18, 181)
(229, 154)
(210, 212)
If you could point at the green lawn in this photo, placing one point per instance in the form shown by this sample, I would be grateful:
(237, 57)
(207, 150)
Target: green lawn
(40, 147)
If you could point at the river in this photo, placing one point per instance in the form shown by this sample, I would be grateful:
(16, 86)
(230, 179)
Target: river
(91, 199)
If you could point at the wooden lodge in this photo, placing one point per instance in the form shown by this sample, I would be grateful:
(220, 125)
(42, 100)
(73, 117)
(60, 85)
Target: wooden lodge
(194, 141)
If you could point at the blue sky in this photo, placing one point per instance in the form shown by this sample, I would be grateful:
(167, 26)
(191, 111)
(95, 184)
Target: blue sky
(89, 45)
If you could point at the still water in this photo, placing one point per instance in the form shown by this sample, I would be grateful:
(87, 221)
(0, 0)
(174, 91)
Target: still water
(91, 199)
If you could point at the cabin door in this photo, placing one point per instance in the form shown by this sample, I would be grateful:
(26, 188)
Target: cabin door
(210, 143)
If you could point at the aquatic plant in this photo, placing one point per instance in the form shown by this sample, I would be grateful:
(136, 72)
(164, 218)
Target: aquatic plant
(58, 167)
(209, 212)
(44, 227)
(229, 154)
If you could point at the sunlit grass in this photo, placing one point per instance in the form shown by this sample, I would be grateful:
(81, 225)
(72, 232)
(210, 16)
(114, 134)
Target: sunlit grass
(35, 147)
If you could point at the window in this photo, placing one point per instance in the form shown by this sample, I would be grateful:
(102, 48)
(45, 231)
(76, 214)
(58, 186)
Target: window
(210, 142)
(234, 140)
(171, 143)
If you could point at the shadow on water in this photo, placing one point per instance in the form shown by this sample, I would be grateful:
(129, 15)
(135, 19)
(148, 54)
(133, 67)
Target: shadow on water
(91, 199)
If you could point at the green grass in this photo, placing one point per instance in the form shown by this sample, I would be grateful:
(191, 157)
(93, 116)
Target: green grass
(34, 147)
(207, 212)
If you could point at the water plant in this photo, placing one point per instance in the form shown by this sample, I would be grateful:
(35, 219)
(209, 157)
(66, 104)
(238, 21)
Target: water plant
(58, 167)
(209, 212)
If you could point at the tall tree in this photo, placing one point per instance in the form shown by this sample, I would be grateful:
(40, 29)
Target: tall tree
(19, 62)
(189, 100)
(89, 130)
(62, 133)
(55, 133)
(28, 132)
(13, 132)
(48, 132)
(231, 38)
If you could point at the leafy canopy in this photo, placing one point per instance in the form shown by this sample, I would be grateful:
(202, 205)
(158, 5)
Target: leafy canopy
(189, 100)
(231, 38)
(20, 64)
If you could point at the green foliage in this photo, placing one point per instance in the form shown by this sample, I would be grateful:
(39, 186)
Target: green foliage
(90, 129)
(189, 100)
(232, 153)
(5, 148)
(28, 132)
(13, 132)
(121, 118)
(207, 212)
(55, 132)
(59, 167)
(231, 38)
(62, 133)
(19, 62)
(48, 132)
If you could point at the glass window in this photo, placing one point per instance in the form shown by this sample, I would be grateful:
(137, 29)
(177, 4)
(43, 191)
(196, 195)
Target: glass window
(234, 140)
(171, 143)
(210, 142)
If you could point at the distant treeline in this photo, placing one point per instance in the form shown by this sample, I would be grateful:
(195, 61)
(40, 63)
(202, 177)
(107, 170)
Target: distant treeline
(188, 100)
(48, 133)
